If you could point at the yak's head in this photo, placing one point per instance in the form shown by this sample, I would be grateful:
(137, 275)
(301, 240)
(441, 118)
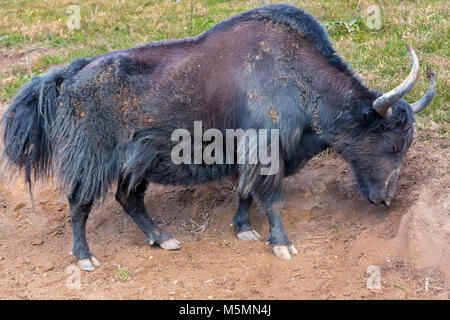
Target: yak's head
(376, 146)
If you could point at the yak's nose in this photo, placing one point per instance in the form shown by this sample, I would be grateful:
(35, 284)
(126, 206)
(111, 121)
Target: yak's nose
(381, 201)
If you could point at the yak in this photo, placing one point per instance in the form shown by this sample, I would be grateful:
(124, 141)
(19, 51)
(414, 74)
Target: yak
(108, 120)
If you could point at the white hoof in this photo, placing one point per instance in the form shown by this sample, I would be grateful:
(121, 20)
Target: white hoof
(248, 235)
(282, 252)
(89, 264)
(171, 244)
(86, 265)
(292, 249)
(95, 262)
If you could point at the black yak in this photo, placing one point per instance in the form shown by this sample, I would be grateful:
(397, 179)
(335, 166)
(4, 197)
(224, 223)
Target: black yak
(108, 120)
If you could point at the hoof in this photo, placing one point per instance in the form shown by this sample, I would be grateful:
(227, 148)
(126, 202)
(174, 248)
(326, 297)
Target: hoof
(292, 249)
(282, 252)
(95, 262)
(171, 244)
(248, 235)
(88, 264)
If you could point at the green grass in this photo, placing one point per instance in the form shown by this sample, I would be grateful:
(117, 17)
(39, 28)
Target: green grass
(122, 275)
(400, 287)
(379, 56)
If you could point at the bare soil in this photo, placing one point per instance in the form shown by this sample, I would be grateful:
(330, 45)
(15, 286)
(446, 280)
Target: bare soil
(13, 61)
(337, 232)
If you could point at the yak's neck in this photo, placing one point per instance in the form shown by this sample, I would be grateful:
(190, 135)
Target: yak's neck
(334, 90)
(334, 107)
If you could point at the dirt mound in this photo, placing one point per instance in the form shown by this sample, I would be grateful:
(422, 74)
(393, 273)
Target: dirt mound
(337, 232)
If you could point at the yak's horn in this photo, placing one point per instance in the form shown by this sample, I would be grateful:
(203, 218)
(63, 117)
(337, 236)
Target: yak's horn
(428, 97)
(383, 104)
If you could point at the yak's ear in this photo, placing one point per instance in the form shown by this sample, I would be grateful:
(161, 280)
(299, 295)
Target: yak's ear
(402, 116)
(370, 117)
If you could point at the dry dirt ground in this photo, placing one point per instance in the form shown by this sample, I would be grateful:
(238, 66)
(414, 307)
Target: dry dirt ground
(338, 234)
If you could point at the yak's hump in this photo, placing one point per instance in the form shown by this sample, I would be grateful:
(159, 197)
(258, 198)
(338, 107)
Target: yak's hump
(293, 17)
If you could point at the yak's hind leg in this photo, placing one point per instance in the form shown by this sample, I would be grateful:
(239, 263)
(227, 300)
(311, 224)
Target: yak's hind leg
(79, 212)
(241, 221)
(133, 204)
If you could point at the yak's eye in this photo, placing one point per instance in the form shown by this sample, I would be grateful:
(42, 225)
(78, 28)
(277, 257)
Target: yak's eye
(394, 145)
(395, 149)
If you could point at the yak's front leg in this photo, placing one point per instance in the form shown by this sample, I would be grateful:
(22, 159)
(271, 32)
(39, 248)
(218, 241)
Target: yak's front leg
(241, 221)
(133, 204)
(282, 246)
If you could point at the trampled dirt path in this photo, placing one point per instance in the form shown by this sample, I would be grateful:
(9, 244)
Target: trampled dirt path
(337, 232)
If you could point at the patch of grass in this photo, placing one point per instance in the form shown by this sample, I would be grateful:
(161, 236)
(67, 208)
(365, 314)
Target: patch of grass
(400, 287)
(378, 55)
(12, 87)
(342, 27)
(122, 275)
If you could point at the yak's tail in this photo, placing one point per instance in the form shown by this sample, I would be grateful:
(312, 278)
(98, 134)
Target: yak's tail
(27, 124)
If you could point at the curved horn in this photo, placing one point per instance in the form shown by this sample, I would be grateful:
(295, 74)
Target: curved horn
(428, 97)
(383, 104)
